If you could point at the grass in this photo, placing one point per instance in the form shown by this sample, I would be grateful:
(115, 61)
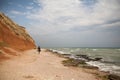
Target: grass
(103, 77)
(77, 63)
(73, 62)
(108, 77)
(81, 63)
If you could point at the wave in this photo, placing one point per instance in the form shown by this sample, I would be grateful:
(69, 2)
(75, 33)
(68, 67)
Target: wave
(57, 51)
(103, 65)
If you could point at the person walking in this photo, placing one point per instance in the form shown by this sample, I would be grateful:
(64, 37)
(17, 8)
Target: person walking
(39, 49)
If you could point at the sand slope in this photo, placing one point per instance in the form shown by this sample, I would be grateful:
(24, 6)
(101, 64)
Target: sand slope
(44, 66)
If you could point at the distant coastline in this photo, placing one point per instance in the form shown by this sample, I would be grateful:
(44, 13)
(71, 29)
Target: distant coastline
(85, 47)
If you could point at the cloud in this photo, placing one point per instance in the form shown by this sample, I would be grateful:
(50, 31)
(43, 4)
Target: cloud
(10, 3)
(31, 3)
(17, 12)
(71, 13)
(76, 17)
(21, 6)
(29, 7)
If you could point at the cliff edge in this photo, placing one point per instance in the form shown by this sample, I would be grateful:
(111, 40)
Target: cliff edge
(14, 36)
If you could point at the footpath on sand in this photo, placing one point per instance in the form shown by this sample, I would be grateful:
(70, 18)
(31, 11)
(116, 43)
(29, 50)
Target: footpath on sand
(44, 66)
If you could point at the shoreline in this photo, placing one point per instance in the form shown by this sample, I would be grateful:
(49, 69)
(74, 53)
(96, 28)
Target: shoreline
(44, 66)
(104, 75)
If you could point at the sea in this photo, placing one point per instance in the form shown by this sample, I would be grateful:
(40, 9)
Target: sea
(110, 61)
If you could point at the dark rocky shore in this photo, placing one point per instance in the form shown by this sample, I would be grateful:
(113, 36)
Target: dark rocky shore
(80, 61)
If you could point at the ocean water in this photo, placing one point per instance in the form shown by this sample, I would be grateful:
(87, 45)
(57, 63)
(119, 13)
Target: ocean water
(110, 57)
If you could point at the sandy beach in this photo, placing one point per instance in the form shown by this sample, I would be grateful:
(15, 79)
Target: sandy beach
(44, 66)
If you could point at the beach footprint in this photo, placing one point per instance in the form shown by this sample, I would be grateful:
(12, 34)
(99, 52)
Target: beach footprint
(30, 77)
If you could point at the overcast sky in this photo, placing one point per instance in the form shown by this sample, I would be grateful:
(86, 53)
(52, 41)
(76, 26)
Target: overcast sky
(68, 23)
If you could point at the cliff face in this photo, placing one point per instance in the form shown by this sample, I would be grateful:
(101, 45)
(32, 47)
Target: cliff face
(14, 36)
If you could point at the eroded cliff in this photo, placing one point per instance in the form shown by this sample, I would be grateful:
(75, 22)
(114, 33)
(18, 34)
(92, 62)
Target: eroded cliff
(14, 36)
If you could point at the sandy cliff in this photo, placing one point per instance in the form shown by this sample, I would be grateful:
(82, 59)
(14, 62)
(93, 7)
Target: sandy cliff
(14, 36)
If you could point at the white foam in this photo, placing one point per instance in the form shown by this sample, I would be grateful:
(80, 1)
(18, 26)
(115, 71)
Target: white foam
(105, 67)
(94, 49)
(60, 52)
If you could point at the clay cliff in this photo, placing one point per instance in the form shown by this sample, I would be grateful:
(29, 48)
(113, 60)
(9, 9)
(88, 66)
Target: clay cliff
(14, 36)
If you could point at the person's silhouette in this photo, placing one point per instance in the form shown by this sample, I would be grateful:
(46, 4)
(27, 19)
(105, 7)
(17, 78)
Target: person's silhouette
(39, 49)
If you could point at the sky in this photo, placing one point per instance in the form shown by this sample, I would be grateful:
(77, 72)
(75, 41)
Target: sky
(67, 23)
